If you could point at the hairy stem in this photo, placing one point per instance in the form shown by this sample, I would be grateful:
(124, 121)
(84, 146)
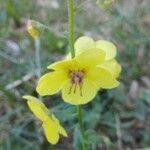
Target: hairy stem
(71, 27)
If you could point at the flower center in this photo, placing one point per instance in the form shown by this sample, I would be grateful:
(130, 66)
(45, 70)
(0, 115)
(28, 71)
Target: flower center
(76, 79)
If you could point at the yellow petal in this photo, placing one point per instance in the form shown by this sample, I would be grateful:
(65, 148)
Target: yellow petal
(108, 47)
(112, 66)
(90, 58)
(62, 131)
(51, 131)
(78, 95)
(102, 78)
(37, 107)
(50, 83)
(84, 43)
(63, 65)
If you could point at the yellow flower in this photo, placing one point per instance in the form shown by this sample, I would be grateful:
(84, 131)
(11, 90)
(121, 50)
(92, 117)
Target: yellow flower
(32, 30)
(50, 124)
(80, 78)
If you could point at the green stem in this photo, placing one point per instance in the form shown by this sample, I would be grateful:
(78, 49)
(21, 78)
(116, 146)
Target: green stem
(81, 127)
(72, 51)
(71, 27)
(37, 57)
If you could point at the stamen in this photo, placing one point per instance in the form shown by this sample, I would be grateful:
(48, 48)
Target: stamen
(80, 86)
(76, 79)
(70, 89)
(75, 87)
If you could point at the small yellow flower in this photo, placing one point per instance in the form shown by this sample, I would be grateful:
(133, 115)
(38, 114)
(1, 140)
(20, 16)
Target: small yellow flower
(32, 30)
(80, 78)
(50, 124)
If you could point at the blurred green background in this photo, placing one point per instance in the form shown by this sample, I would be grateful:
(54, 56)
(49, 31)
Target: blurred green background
(117, 119)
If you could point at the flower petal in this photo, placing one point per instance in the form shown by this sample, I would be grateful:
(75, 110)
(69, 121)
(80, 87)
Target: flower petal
(61, 129)
(90, 58)
(51, 83)
(78, 95)
(63, 65)
(112, 66)
(102, 78)
(51, 131)
(51, 125)
(37, 107)
(108, 47)
(84, 43)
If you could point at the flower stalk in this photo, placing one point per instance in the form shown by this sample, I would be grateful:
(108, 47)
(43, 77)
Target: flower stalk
(37, 56)
(71, 27)
(81, 127)
(72, 51)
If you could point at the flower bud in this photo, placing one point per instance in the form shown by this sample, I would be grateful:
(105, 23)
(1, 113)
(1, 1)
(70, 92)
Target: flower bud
(105, 4)
(32, 30)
